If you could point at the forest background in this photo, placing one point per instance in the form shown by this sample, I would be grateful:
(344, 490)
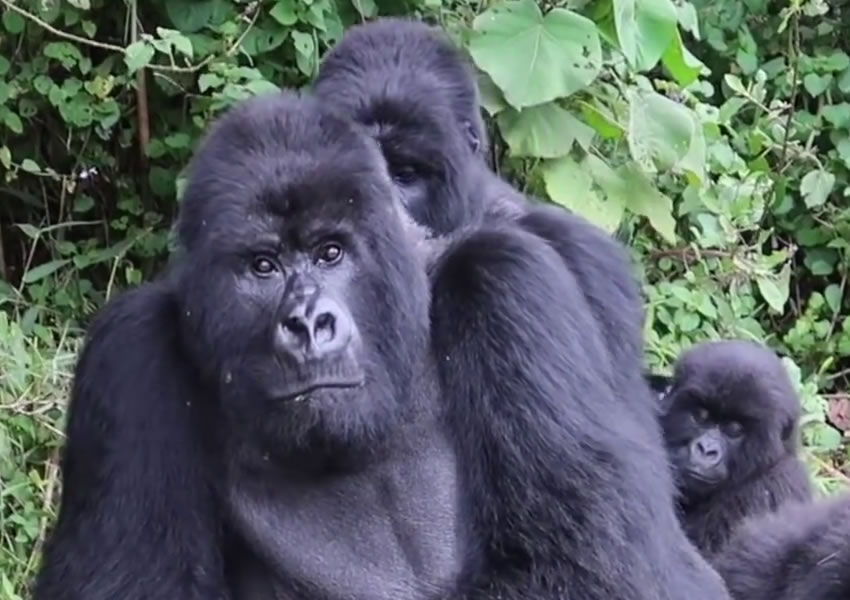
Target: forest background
(712, 137)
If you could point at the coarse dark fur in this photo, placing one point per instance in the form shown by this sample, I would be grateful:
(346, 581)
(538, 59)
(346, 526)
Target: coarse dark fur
(409, 86)
(800, 552)
(732, 434)
(411, 90)
(443, 464)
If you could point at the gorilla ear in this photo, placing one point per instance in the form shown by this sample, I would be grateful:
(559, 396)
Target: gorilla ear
(472, 136)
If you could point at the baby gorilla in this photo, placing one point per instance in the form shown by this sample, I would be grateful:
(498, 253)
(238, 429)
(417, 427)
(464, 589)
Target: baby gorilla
(801, 552)
(731, 432)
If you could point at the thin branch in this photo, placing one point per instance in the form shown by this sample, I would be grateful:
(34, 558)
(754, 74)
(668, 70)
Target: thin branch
(252, 8)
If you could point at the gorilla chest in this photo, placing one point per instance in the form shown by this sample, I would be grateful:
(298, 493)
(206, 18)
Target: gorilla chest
(392, 533)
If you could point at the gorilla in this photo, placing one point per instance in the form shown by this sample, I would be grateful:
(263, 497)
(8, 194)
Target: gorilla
(731, 429)
(315, 401)
(412, 90)
(800, 552)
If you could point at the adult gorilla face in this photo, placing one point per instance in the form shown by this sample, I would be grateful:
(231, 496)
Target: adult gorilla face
(407, 84)
(295, 316)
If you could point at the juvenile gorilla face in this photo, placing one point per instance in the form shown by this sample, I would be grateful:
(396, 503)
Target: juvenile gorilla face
(304, 302)
(731, 412)
(702, 442)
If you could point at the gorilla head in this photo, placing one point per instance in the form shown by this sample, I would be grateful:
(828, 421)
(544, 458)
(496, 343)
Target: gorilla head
(732, 414)
(308, 305)
(413, 91)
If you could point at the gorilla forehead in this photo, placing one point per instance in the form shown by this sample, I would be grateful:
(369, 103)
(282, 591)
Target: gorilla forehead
(280, 156)
(739, 377)
(398, 57)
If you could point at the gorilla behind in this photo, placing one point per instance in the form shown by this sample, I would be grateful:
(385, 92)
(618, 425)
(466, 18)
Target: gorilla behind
(309, 406)
(413, 91)
(731, 428)
(800, 552)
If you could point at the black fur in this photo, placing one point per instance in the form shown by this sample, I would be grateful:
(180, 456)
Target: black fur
(410, 89)
(736, 396)
(442, 474)
(801, 552)
(415, 93)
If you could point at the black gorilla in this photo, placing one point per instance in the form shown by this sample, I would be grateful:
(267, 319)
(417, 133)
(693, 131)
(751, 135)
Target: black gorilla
(409, 86)
(731, 429)
(275, 419)
(800, 552)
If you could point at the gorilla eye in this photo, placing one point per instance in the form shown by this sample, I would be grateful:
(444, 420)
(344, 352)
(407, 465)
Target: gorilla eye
(263, 266)
(701, 414)
(404, 174)
(329, 254)
(734, 429)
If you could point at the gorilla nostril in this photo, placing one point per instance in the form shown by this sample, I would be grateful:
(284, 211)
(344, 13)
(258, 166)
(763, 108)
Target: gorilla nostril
(295, 325)
(324, 328)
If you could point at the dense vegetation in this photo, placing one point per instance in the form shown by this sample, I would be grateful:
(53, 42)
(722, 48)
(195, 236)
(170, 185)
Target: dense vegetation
(712, 137)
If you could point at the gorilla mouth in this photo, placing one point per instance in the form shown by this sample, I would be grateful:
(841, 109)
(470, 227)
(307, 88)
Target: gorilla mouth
(302, 392)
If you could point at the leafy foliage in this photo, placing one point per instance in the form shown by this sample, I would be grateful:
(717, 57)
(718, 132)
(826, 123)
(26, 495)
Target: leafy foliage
(712, 137)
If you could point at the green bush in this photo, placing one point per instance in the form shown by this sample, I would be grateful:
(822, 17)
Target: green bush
(711, 137)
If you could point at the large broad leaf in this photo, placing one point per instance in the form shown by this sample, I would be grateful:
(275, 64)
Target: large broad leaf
(627, 185)
(816, 186)
(545, 131)
(664, 134)
(645, 28)
(570, 184)
(683, 65)
(532, 58)
(492, 98)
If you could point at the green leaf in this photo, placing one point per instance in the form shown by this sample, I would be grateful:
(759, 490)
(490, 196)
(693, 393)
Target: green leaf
(366, 8)
(535, 59)
(43, 270)
(5, 157)
(571, 185)
(832, 294)
(491, 96)
(13, 122)
(284, 13)
(748, 62)
(304, 52)
(546, 130)
(81, 4)
(642, 198)
(816, 84)
(645, 28)
(837, 114)
(190, 16)
(664, 134)
(208, 81)
(83, 203)
(13, 22)
(816, 186)
(734, 83)
(4, 65)
(30, 166)
(600, 119)
(683, 65)
(774, 290)
(138, 55)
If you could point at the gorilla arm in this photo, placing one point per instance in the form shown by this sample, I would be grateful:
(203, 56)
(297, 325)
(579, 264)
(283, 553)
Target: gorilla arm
(565, 492)
(136, 519)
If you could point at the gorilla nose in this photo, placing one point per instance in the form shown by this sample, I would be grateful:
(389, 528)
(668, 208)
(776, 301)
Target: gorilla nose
(708, 451)
(314, 330)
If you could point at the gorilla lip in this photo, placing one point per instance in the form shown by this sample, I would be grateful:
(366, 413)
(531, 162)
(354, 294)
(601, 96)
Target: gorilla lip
(302, 393)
